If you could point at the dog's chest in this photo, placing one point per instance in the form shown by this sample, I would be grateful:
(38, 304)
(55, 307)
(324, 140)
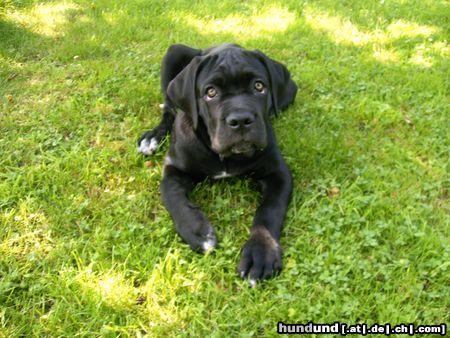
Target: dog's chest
(226, 169)
(230, 168)
(222, 174)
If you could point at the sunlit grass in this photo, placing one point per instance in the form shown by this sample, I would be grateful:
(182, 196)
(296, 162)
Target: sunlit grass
(261, 23)
(110, 288)
(46, 19)
(28, 234)
(402, 28)
(343, 31)
(86, 246)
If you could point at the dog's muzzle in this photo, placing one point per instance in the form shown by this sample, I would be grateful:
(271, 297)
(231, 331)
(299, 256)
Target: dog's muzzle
(239, 133)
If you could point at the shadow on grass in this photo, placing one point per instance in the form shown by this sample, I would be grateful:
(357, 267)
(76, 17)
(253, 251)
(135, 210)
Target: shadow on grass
(15, 47)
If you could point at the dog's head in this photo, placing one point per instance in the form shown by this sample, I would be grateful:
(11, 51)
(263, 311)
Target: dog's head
(231, 92)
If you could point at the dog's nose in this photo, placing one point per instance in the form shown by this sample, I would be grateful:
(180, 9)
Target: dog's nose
(240, 120)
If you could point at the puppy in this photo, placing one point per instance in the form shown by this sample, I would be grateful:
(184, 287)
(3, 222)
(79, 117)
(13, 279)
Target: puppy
(217, 105)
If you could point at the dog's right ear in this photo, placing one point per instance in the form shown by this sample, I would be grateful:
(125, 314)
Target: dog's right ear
(182, 89)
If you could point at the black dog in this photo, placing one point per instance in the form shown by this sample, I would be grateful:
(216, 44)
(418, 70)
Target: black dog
(218, 102)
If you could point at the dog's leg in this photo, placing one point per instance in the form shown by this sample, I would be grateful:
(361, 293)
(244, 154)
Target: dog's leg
(176, 58)
(261, 255)
(190, 223)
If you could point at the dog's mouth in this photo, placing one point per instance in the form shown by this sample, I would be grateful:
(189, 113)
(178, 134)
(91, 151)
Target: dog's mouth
(238, 147)
(242, 149)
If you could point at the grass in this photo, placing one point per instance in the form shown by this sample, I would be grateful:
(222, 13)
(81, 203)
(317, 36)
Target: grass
(87, 248)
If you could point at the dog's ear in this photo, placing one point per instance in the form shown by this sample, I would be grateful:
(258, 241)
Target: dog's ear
(182, 90)
(283, 89)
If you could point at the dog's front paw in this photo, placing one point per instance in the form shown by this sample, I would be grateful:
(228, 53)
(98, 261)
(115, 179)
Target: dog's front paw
(196, 231)
(149, 141)
(261, 257)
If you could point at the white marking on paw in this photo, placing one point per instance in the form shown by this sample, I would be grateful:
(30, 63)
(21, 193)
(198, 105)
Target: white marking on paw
(222, 174)
(242, 274)
(252, 282)
(162, 105)
(208, 245)
(148, 148)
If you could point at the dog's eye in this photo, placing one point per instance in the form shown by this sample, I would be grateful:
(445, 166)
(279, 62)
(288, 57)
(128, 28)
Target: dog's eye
(259, 86)
(211, 92)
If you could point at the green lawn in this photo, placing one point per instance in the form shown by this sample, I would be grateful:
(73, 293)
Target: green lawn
(86, 246)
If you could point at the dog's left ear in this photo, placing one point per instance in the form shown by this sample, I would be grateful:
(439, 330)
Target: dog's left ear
(283, 88)
(182, 90)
